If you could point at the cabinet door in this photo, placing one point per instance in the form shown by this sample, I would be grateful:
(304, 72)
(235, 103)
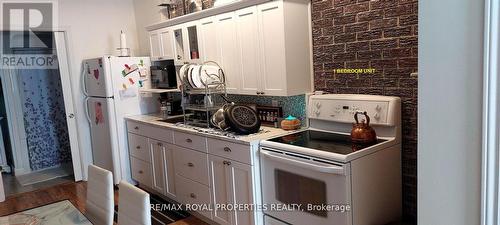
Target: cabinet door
(272, 45)
(167, 50)
(231, 184)
(157, 163)
(230, 57)
(168, 159)
(179, 46)
(221, 191)
(208, 39)
(241, 190)
(154, 44)
(192, 50)
(248, 46)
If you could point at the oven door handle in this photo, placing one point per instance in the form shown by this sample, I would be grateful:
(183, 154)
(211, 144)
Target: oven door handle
(316, 166)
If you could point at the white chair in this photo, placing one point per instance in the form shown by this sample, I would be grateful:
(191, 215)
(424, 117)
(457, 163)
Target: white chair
(133, 206)
(100, 196)
(2, 191)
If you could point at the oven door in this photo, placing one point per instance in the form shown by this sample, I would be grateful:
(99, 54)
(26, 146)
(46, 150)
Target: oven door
(289, 179)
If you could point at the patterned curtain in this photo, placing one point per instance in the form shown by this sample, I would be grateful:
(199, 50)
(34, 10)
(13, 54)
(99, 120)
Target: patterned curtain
(44, 118)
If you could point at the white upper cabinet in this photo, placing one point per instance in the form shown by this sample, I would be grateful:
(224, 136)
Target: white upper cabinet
(208, 39)
(186, 46)
(167, 50)
(192, 39)
(285, 45)
(248, 49)
(154, 44)
(178, 45)
(161, 44)
(264, 49)
(272, 46)
(229, 52)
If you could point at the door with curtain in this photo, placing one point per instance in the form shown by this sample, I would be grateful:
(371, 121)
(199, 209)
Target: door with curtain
(64, 110)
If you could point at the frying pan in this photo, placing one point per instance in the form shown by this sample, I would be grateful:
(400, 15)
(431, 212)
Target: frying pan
(239, 118)
(242, 119)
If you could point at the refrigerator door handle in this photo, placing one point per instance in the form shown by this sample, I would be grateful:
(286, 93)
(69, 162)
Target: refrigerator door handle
(87, 112)
(84, 82)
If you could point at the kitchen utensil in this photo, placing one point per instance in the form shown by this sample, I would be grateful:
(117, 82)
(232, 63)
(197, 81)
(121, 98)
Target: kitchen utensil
(218, 120)
(363, 133)
(290, 123)
(242, 119)
(210, 75)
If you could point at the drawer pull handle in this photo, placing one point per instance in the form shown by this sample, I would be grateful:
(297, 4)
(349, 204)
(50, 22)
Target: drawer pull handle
(192, 195)
(190, 164)
(189, 140)
(227, 163)
(141, 172)
(137, 128)
(227, 149)
(160, 144)
(138, 147)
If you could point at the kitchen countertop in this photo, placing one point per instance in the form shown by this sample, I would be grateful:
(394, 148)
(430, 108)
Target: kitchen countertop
(265, 134)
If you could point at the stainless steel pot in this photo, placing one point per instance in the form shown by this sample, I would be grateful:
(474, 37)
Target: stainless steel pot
(218, 119)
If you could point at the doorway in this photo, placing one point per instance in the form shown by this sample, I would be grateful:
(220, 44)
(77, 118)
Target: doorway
(40, 143)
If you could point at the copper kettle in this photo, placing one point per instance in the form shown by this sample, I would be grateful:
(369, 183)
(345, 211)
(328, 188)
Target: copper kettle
(363, 133)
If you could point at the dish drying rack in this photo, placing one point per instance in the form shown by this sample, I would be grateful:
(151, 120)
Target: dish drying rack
(202, 97)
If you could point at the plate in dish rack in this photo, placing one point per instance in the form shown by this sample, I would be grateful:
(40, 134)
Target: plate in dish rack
(196, 77)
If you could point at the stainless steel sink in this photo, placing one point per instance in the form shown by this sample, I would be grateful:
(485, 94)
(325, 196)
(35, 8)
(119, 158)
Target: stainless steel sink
(177, 119)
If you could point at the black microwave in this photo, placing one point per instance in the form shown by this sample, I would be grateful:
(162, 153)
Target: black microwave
(163, 75)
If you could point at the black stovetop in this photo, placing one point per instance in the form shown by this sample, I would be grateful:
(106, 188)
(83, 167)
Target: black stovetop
(324, 141)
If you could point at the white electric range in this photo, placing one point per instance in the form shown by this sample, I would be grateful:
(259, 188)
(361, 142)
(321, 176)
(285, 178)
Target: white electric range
(319, 177)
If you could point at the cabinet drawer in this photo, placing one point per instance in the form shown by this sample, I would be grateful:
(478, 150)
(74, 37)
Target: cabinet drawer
(141, 171)
(237, 152)
(138, 147)
(190, 192)
(191, 164)
(198, 143)
(157, 133)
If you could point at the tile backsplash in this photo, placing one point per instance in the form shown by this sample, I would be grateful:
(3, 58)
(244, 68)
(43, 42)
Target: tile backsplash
(292, 105)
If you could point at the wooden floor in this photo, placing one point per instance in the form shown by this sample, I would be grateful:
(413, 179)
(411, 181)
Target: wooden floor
(74, 192)
(12, 186)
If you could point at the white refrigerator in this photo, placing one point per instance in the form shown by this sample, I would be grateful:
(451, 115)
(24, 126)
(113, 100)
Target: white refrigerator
(112, 86)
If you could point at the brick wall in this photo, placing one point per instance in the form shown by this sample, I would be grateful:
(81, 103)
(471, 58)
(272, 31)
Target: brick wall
(379, 34)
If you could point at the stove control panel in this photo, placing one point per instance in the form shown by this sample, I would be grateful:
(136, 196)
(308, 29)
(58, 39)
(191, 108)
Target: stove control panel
(341, 108)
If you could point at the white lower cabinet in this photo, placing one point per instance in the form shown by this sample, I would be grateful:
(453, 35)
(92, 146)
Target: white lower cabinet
(217, 180)
(194, 194)
(158, 165)
(162, 163)
(168, 158)
(231, 186)
(141, 171)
